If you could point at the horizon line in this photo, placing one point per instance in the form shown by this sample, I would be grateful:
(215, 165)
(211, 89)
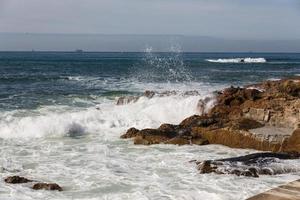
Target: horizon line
(149, 34)
(204, 52)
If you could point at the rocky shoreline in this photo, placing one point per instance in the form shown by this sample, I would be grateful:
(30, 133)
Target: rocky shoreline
(264, 116)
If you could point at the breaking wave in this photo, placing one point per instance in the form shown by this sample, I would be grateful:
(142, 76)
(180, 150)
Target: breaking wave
(103, 118)
(237, 60)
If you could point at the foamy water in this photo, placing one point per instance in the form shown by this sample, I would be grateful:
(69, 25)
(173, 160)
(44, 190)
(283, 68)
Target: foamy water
(81, 150)
(238, 60)
(59, 122)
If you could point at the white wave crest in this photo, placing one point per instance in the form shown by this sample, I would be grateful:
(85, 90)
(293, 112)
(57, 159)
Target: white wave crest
(99, 120)
(238, 60)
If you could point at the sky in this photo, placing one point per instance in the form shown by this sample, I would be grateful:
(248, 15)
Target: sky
(250, 19)
(229, 19)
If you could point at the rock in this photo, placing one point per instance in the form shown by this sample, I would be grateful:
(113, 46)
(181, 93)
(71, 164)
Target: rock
(245, 124)
(290, 87)
(199, 141)
(235, 139)
(235, 119)
(139, 140)
(198, 121)
(150, 139)
(127, 100)
(252, 94)
(252, 173)
(152, 136)
(178, 141)
(168, 128)
(251, 165)
(149, 94)
(16, 180)
(257, 157)
(292, 144)
(130, 133)
(191, 93)
(267, 171)
(47, 186)
(206, 167)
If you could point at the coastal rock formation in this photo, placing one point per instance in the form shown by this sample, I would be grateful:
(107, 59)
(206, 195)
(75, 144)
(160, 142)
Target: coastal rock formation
(47, 186)
(251, 165)
(263, 116)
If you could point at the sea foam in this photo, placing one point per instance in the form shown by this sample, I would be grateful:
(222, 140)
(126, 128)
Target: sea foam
(238, 60)
(107, 115)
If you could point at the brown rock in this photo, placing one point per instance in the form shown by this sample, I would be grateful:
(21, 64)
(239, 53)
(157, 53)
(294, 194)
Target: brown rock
(139, 140)
(245, 124)
(199, 121)
(230, 122)
(199, 141)
(130, 133)
(293, 143)
(178, 141)
(16, 180)
(235, 139)
(290, 87)
(151, 136)
(46, 186)
(168, 128)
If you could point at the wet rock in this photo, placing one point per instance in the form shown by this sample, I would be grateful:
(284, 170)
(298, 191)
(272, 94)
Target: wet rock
(149, 94)
(168, 128)
(267, 171)
(178, 141)
(206, 167)
(258, 157)
(16, 180)
(249, 173)
(150, 139)
(130, 133)
(199, 141)
(191, 93)
(251, 165)
(245, 124)
(198, 121)
(47, 186)
(127, 99)
(236, 113)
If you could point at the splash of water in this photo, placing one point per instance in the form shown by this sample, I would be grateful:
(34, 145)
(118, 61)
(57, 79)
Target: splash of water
(166, 67)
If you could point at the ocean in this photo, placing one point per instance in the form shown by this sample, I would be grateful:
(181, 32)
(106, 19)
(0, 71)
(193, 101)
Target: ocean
(59, 122)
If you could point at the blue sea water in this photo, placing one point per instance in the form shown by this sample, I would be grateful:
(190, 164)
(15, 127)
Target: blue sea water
(32, 79)
(59, 122)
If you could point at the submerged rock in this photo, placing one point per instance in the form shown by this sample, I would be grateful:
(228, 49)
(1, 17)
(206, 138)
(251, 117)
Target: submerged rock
(36, 186)
(17, 180)
(251, 165)
(47, 186)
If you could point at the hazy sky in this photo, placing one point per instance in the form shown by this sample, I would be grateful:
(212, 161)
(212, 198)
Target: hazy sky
(242, 19)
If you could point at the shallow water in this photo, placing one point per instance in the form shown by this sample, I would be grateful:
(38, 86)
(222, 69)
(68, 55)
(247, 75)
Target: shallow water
(59, 122)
